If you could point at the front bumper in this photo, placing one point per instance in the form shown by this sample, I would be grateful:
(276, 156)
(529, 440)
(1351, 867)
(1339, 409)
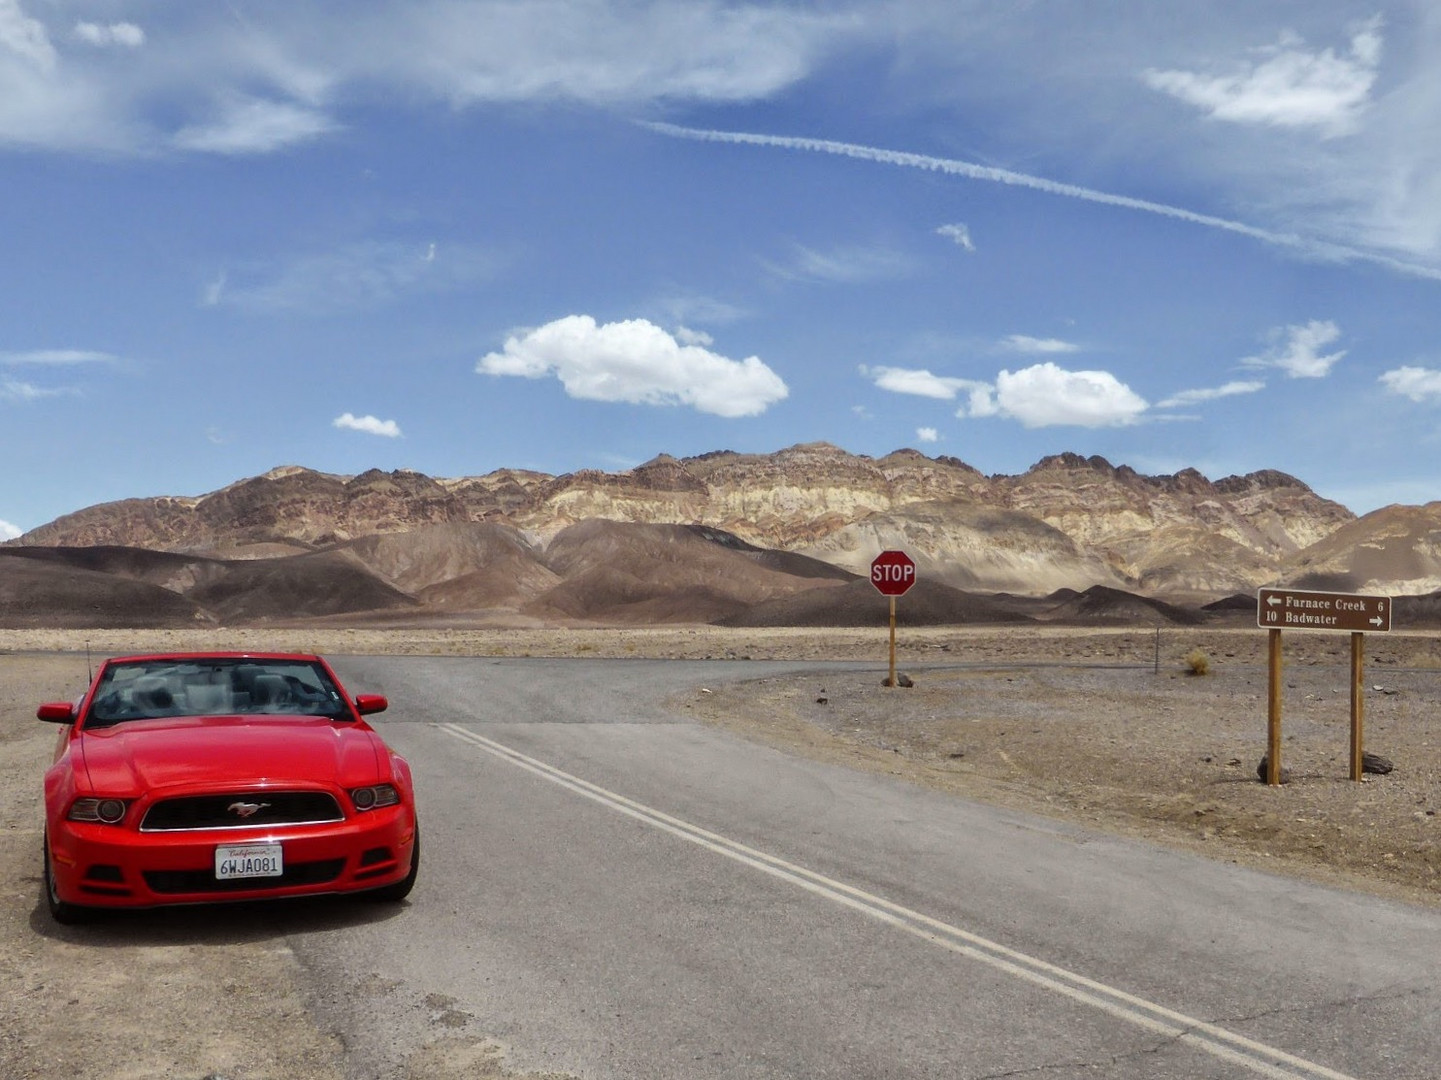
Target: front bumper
(115, 866)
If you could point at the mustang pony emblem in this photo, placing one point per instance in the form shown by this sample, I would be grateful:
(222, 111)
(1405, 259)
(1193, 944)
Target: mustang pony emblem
(246, 809)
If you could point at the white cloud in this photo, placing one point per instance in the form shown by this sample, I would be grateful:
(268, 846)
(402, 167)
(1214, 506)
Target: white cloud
(686, 309)
(687, 336)
(12, 389)
(1196, 397)
(601, 53)
(56, 357)
(959, 233)
(1045, 395)
(849, 265)
(1023, 344)
(125, 34)
(370, 425)
(361, 275)
(920, 382)
(213, 78)
(636, 361)
(25, 37)
(10, 532)
(1421, 385)
(1297, 351)
(15, 390)
(1288, 86)
(928, 434)
(214, 291)
(248, 125)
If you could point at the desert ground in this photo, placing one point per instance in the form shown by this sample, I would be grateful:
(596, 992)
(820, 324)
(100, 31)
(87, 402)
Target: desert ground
(1110, 728)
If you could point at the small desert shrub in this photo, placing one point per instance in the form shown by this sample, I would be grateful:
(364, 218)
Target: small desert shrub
(1198, 663)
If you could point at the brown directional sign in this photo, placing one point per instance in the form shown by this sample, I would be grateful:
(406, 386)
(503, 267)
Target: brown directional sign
(1294, 609)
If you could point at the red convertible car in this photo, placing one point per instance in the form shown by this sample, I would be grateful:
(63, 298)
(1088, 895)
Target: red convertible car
(197, 777)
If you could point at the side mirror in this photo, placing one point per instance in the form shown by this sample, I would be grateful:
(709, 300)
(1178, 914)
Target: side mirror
(56, 712)
(365, 704)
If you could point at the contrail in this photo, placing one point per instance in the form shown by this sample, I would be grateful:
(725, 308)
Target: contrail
(993, 175)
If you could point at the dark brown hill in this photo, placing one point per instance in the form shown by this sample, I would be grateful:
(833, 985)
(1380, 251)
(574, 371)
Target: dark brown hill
(112, 586)
(786, 562)
(598, 572)
(138, 563)
(1417, 612)
(458, 565)
(928, 603)
(1235, 602)
(612, 572)
(164, 568)
(41, 592)
(1100, 605)
(297, 588)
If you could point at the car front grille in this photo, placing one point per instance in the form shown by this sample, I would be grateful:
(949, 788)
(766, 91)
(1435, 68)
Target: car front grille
(267, 809)
(204, 881)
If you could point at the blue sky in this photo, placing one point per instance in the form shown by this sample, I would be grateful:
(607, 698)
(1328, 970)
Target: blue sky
(558, 234)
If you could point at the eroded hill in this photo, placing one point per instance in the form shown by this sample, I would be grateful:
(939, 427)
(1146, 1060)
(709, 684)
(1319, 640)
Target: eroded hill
(1068, 522)
(752, 539)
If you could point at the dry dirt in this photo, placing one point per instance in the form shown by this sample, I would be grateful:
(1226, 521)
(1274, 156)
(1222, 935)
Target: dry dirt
(1106, 728)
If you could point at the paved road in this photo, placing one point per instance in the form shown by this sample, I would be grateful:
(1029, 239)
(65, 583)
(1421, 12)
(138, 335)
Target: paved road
(613, 891)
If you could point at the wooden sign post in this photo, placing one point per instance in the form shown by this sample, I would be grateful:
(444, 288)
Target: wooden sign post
(1295, 609)
(1273, 709)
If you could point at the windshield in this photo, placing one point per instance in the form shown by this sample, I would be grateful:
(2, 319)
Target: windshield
(214, 687)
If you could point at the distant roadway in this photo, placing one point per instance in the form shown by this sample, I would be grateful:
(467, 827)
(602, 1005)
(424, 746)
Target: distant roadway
(614, 891)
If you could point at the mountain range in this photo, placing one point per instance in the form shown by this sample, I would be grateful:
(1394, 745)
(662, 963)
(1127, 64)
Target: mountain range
(722, 537)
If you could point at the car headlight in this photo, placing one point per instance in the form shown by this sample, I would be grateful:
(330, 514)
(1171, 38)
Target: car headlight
(374, 797)
(105, 811)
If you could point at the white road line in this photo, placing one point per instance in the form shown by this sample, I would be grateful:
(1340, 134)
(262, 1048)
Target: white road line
(1256, 1056)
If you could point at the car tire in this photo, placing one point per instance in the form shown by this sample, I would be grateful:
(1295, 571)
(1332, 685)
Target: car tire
(399, 890)
(62, 911)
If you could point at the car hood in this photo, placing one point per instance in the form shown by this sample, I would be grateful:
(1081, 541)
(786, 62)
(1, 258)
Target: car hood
(200, 752)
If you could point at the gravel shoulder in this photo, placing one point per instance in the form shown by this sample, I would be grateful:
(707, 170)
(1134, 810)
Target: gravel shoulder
(1151, 751)
(1104, 728)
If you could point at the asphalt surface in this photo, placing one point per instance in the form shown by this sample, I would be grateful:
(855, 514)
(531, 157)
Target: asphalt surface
(610, 890)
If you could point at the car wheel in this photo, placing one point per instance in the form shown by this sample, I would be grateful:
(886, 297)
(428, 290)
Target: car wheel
(401, 889)
(62, 911)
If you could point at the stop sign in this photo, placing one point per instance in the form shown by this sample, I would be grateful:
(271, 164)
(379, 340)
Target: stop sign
(893, 572)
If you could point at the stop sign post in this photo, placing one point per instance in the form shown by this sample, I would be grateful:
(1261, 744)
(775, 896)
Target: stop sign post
(893, 573)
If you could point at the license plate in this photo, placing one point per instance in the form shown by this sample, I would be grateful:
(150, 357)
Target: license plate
(248, 861)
